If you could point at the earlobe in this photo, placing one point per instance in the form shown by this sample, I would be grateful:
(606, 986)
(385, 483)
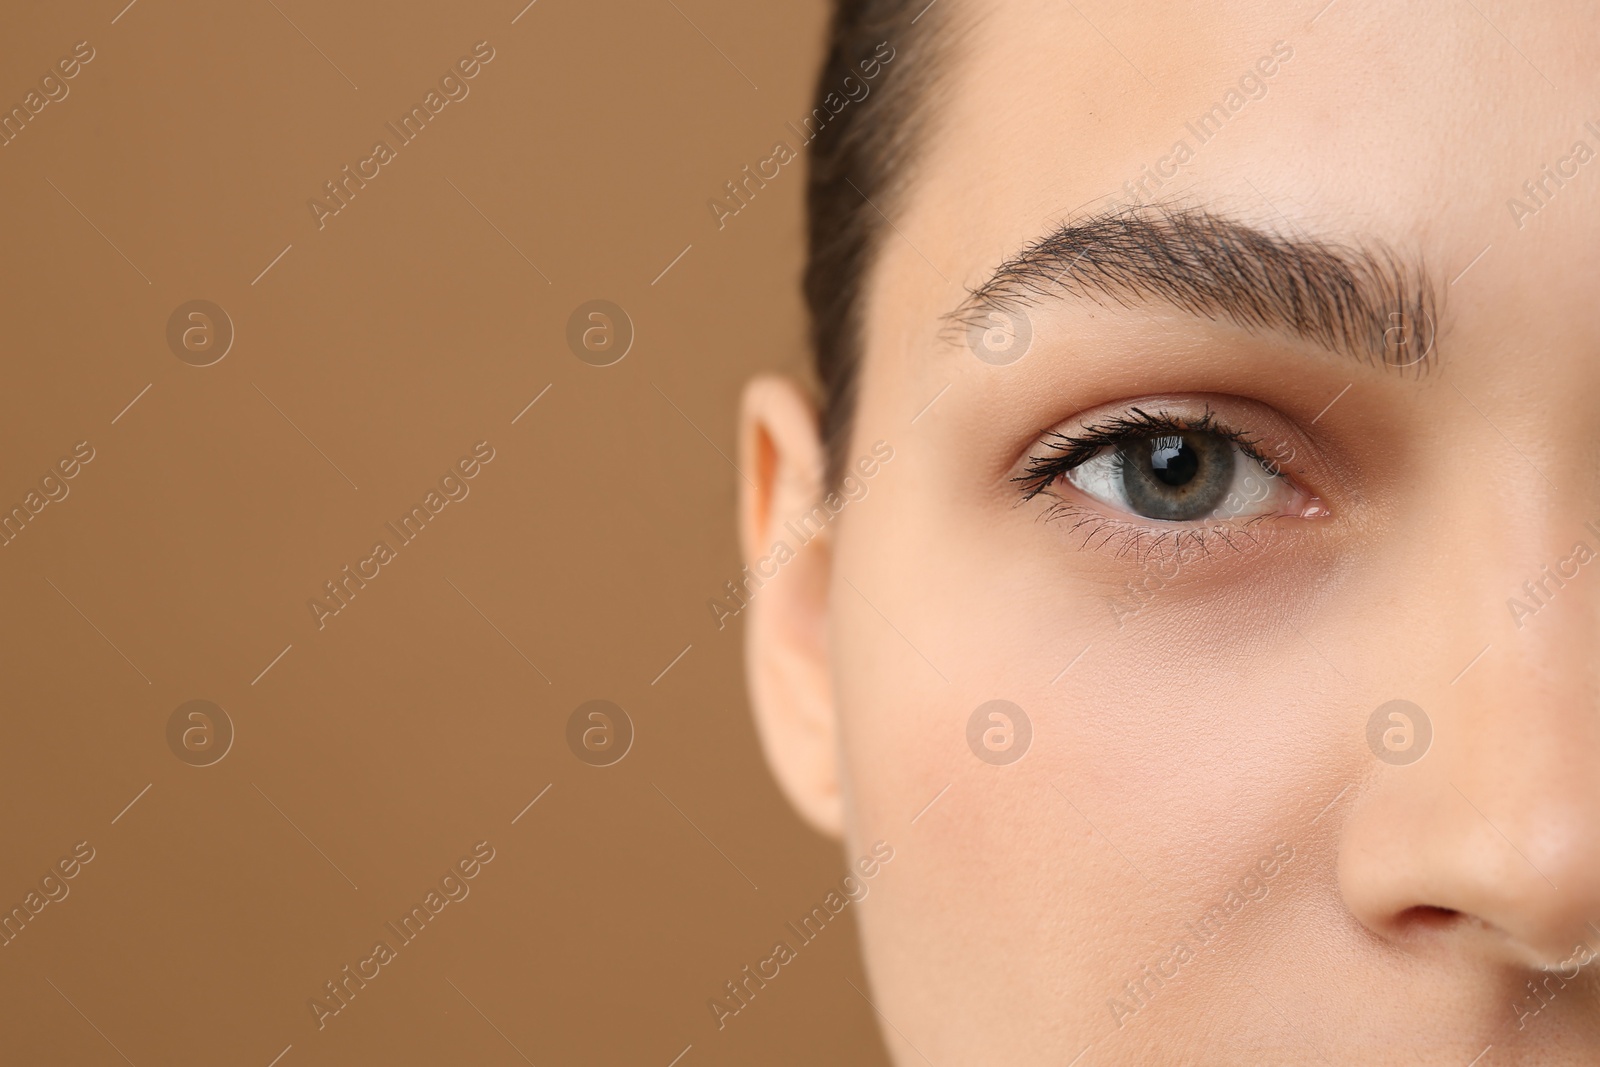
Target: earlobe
(786, 632)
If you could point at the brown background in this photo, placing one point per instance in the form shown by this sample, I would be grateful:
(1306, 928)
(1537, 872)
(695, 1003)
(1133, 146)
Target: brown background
(409, 728)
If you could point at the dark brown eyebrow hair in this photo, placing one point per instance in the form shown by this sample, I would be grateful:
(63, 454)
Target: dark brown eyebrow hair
(1361, 300)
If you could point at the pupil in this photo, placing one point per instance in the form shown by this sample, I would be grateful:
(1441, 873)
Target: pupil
(1173, 462)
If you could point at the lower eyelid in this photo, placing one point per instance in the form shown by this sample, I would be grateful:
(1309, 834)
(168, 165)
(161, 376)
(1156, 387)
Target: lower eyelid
(1152, 540)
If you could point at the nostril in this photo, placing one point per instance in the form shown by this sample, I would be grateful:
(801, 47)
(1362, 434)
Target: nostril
(1427, 917)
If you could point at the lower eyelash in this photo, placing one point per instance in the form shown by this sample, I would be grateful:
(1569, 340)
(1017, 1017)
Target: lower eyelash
(1146, 543)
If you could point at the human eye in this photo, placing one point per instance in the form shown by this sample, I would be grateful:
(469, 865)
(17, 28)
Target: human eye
(1159, 473)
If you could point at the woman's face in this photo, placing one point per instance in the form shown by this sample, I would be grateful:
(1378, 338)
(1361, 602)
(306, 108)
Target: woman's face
(1318, 435)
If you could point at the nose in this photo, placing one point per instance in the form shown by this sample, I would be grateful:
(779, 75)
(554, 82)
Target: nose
(1490, 843)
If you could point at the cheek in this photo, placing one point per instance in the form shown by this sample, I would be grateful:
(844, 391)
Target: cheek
(1040, 865)
(947, 621)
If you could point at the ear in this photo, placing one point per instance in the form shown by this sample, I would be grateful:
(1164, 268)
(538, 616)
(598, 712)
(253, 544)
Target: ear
(786, 634)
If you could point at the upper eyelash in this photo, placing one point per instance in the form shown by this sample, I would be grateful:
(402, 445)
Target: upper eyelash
(1073, 450)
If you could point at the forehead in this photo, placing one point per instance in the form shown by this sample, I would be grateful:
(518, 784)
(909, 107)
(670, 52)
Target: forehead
(1417, 125)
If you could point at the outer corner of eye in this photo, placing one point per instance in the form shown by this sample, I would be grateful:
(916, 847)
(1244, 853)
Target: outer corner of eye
(1294, 500)
(1312, 508)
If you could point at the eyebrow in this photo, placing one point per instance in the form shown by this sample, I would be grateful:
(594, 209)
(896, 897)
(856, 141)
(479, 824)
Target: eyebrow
(1357, 299)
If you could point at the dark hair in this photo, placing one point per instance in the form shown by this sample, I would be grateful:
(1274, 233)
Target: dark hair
(858, 160)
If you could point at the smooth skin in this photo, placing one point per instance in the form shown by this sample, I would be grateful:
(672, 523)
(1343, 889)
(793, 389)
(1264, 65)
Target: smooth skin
(1183, 749)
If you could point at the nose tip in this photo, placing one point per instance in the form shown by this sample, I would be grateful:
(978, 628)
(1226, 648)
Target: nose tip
(1547, 919)
(1420, 865)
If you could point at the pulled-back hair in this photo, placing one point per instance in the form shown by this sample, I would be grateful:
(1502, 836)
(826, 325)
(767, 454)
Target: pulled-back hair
(859, 166)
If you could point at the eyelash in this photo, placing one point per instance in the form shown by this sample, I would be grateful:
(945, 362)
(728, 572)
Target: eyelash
(1072, 450)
